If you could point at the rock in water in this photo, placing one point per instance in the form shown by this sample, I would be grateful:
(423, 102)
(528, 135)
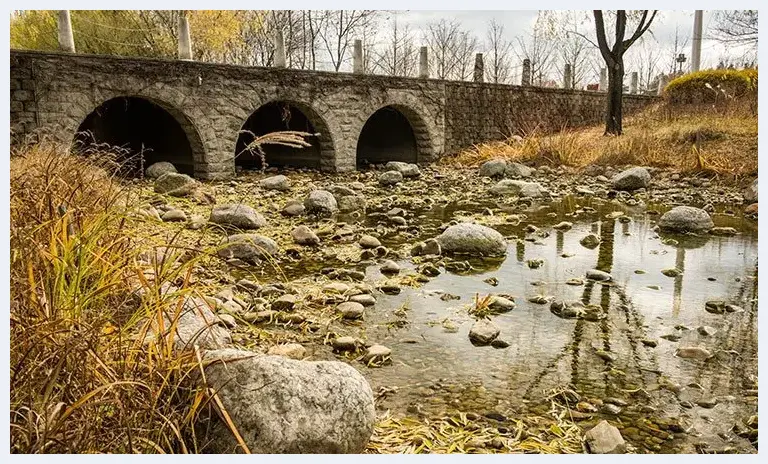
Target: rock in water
(281, 405)
(605, 439)
(303, 235)
(483, 332)
(390, 178)
(468, 238)
(247, 247)
(693, 352)
(237, 215)
(281, 183)
(156, 170)
(406, 169)
(175, 185)
(750, 193)
(493, 168)
(686, 219)
(590, 241)
(519, 188)
(631, 179)
(600, 276)
(321, 203)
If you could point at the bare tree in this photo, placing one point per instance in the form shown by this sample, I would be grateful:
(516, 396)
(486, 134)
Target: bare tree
(646, 62)
(341, 28)
(679, 44)
(614, 60)
(498, 51)
(399, 55)
(451, 49)
(736, 27)
(539, 47)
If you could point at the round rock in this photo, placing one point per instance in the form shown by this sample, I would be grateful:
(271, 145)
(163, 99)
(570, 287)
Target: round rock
(474, 239)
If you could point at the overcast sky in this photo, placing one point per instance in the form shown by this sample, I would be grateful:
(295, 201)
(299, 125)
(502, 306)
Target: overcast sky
(520, 23)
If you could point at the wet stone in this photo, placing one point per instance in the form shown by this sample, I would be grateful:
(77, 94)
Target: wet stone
(483, 332)
(693, 352)
(284, 303)
(390, 267)
(377, 354)
(590, 241)
(369, 242)
(715, 306)
(604, 438)
(600, 276)
(364, 299)
(345, 343)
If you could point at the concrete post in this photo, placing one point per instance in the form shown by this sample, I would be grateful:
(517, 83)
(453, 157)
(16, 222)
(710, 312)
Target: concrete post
(357, 57)
(185, 41)
(698, 18)
(279, 48)
(66, 39)
(662, 84)
(603, 80)
(479, 71)
(526, 72)
(423, 63)
(633, 83)
(568, 77)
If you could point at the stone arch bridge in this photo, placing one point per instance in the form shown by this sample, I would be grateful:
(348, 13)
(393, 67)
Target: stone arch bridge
(202, 116)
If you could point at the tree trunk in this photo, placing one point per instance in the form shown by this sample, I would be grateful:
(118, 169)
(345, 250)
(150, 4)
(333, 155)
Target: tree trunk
(615, 92)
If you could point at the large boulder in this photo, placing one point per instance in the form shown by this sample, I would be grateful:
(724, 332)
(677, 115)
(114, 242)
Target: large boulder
(280, 182)
(519, 188)
(750, 193)
(468, 238)
(686, 219)
(321, 203)
(174, 184)
(517, 170)
(156, 170)
(247, 247)
(237, 215)
(281, 405)
(390, 178)
(605, 439)
(493, 168)
(631, 179)
(406, 169)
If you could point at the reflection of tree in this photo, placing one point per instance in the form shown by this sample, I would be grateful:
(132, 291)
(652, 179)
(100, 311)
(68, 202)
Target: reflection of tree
(559, 240)
(678, 289)
(520, 251)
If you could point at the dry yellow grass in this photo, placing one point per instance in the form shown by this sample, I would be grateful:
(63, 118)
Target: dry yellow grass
(691, 139)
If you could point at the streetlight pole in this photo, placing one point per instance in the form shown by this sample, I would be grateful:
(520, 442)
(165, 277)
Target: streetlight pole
(698, 17)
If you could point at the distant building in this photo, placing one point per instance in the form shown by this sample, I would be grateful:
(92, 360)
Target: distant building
(593, 87)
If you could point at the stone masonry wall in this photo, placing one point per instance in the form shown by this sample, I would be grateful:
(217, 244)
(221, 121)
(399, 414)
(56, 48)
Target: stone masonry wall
(53, 93)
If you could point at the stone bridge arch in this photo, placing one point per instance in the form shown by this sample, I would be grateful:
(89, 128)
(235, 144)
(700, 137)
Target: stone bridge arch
(287, 113)
(408, 130)
(165, 105)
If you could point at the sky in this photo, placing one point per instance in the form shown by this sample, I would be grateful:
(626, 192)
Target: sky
(520, 23)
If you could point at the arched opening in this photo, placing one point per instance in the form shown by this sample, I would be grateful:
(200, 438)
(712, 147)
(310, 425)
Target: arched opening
(143, 131)
(282, 116)
(387, 136)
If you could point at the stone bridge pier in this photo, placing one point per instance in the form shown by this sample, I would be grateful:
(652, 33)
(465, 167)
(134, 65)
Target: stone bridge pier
(203, 116)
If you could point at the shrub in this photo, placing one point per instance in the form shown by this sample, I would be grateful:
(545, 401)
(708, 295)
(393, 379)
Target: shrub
(712, 86)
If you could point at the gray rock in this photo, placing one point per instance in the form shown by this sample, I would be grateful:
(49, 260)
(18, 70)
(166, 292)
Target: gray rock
(321, 203)
(350, 310)
(600, 276)
(369, 242)
(350, 203)
(686, 219)
(196, 324)
(237, 215)
(517, 170)
(631, 179)
(303, 235)
(280, 405)
(390, 267)
(247, 247)
(377, 354)
(605, 439)
(175, 185)
(293, 208)
(174, 215)
(281, 183)
(483, 332)
(563, 226)
(156, 170)
(289, 350)
(706, 330)
(693, 352)
(723, 231)
(390, 178)
(431, 247)
(501, 304)
(284, 303)
(750, 193)
(468, 238)
(493, 168)
(345, 343)
(590, 241)
(406, 169)
(519, 188)
(364, 299)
